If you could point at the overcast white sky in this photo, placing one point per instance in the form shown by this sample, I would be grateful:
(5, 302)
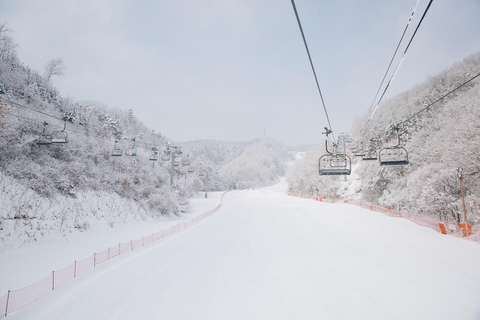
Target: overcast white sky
(225, 69)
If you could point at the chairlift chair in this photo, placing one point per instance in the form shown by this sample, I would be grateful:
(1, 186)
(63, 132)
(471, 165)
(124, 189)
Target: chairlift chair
(370, 155)
(60, 136)
(132, 151)
(334, 164)
(154, 156)
(359, 153)
(394, 155)
(186, 161)
(165, 158)
(116, 152)
(330, 164)
(44, 139)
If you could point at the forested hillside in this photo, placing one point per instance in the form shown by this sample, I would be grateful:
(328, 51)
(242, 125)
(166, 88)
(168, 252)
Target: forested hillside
(67, 165)
(239, 165)
(439, 140)
(86, 176)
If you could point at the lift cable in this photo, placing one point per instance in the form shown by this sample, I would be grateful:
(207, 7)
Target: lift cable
(400, 63)
(393, 57)
(434, 102)
(16, 104)
(313, 68)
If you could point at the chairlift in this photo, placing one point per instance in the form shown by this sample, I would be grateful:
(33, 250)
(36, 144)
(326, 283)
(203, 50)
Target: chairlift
(394, 155)
(166, 158)
(190, 170)
(44, 139)
(154, 156)
(330, 164)
(358, 150)
(370, 155)
(131, 152)
(116, 152)
(60, 136)
(333, 163)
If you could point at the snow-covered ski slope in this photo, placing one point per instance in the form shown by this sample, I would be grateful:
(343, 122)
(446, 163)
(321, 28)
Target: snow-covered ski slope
(265, 255)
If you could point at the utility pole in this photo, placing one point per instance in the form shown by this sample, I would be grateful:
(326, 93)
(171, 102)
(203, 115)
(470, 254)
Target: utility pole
(459, 174)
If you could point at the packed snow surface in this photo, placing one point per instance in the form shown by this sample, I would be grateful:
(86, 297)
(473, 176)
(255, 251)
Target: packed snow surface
(265, 255)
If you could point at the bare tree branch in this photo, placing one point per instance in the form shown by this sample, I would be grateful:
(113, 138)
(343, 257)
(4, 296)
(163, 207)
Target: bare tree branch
(54, 67)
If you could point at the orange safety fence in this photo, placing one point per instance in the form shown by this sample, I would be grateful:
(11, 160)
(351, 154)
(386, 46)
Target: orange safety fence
(420, 219)
(125, 247)
(84, 265)
(62, 276)
(113, 252)
(3, 305)
(100, 257)
(15, 300)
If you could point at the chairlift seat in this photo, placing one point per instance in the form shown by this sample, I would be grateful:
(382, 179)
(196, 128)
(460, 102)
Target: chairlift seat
(393, 156)
(131, 152)
(44, 141)
(117, 152)
(335, 172)
(59, 137)
(330, 164)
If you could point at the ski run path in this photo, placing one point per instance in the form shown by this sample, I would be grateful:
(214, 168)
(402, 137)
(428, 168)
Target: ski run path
(265, 255)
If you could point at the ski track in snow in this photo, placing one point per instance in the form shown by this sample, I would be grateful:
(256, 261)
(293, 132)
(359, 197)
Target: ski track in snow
(265, 255)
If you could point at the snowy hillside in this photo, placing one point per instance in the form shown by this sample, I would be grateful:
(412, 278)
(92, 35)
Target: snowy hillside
(104, 167)
(66, 166)
(439, 140)
(265, 255)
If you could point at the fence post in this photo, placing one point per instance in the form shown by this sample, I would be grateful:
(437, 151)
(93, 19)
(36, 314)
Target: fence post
(119, 252)
(6, 307)
(143, 242)
(108, 257)
(75, 269)
(53, 280)
(94, 259)
(152, 237)
(131, 244)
